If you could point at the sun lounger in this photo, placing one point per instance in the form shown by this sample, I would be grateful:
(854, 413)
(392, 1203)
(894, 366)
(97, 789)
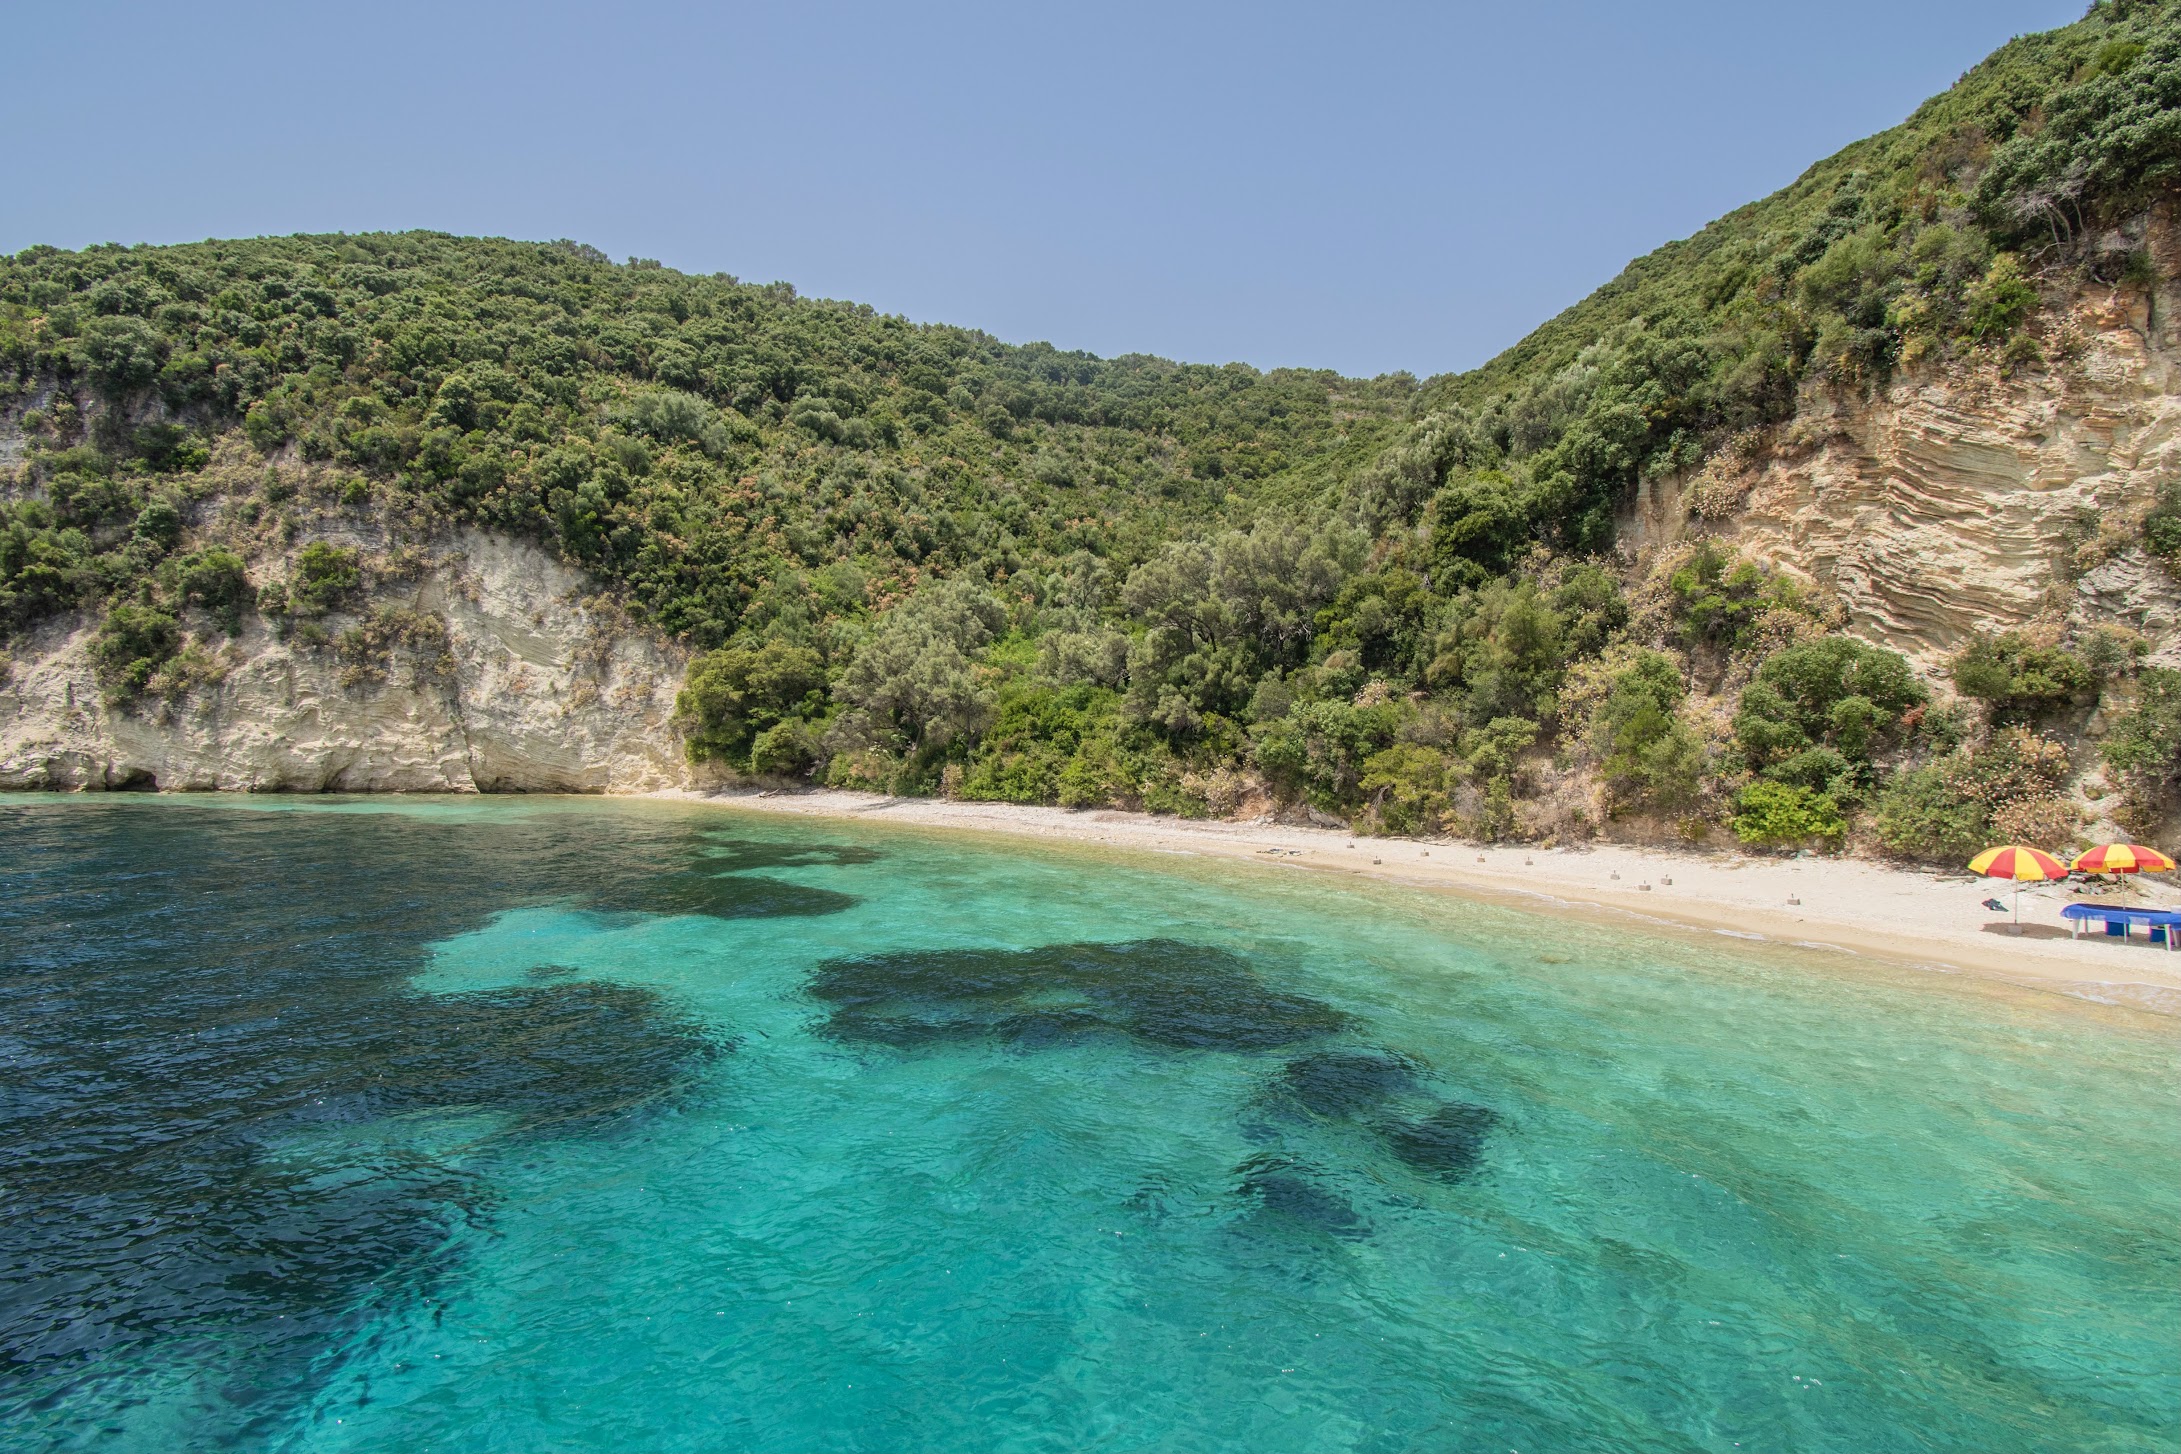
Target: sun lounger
(2163, 923)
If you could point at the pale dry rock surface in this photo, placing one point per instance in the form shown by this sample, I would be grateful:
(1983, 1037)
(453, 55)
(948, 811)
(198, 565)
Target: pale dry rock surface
(1956, 500)
(538, 691)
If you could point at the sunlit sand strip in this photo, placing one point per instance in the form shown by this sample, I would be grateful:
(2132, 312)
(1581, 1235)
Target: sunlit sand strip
(1923, 919)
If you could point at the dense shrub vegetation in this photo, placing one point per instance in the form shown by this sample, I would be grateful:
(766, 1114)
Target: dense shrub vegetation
(913, 557)
(2143, 749)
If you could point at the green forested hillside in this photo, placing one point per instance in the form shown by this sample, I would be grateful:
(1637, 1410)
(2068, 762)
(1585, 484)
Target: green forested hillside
(1915, 245)
(919, 558)
(693, 439)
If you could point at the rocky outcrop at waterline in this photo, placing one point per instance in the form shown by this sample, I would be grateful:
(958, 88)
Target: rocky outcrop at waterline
(483, 667)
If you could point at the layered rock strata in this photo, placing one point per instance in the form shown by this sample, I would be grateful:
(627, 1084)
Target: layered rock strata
(1968, 498)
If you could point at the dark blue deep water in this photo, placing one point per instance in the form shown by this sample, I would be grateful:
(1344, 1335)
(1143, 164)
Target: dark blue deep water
(556, 1124)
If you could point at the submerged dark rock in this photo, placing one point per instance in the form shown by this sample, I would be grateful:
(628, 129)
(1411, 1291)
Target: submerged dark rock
(1160, 991)
(1447, 1144)
(229, 1123)
(1381, 1093)
(1173, 994)
(1283, 1192)
(566, 1056)
(1345, 1082)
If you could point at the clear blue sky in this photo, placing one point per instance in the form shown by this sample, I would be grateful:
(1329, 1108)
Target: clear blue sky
(1366, 188)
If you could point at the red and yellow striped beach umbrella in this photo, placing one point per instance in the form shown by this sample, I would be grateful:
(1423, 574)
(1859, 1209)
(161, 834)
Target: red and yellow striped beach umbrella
(2123, 858)
(2023, 865)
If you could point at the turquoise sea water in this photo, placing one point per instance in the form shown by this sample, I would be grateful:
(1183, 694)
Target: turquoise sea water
(555, 1124)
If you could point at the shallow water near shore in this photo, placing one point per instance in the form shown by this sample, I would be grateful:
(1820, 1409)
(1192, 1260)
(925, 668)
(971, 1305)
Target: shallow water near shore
(562, 1124)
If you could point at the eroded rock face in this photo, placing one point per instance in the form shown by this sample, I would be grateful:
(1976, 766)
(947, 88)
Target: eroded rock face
(2141, 594)
(535, 692)
(1956, 501)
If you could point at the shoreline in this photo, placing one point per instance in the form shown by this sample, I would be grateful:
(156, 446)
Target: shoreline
(1920, 919)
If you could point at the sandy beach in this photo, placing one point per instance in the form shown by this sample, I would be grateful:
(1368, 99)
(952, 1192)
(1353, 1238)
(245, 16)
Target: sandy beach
(1926, 919)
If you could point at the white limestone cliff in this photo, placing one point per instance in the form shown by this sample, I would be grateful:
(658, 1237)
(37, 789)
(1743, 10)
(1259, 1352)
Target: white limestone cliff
(535, 690)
